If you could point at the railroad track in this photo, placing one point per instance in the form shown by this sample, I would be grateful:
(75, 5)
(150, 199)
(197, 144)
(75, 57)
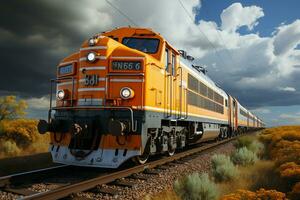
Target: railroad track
(110, 176)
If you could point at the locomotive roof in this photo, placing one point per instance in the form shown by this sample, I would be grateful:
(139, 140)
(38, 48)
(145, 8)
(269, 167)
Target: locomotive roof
(203, 77)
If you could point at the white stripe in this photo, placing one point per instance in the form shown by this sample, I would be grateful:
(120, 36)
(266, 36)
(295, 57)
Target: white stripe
(90, 89)
(83, 80)
(98, 57)
(126, 57)
(174, 111)
(127, 80)
(65, 83)
(93, 48)
(93, 68)
(65, 63)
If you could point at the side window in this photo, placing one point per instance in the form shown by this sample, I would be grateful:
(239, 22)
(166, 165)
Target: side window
(173, 65)
(167, 60)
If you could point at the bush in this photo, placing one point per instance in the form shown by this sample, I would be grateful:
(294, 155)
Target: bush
(256, 147)
(283, 147)
(20, 137)
(223, 168)
(243, 156)
(196, 186)
(9, 148)
(244, 141)
(250, 143)
(22, 131)
(290, 170)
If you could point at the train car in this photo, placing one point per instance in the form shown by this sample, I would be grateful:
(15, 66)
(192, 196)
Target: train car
(242, 119)
(128, 94)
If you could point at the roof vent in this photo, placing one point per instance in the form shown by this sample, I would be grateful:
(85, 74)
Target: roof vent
(182, 53)
(200, 69)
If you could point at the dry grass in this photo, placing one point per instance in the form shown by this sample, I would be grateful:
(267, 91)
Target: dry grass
(275, 178)
(165, 195)
(259, 194)
(252, 178)
(283, 147)
(20, 137)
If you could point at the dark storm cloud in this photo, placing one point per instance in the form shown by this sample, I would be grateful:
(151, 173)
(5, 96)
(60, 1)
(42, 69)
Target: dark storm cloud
(34, 37)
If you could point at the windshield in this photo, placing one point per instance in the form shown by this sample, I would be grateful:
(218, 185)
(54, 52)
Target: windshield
(147, 45)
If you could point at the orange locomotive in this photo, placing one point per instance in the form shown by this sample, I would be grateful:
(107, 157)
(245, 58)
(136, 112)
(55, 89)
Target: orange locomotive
(127, 94)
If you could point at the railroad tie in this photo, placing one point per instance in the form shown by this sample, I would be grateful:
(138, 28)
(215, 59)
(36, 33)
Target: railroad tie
(123, 183)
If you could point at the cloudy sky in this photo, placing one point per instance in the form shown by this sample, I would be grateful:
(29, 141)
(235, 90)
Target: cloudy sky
(250, 48)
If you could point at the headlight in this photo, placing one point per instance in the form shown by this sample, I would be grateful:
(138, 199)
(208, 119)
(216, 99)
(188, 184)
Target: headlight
(91, 57)
(126, 93)
(60, 95)
(92, 41)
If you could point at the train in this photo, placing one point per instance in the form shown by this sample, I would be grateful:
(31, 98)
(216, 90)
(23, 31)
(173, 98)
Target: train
(128, 94)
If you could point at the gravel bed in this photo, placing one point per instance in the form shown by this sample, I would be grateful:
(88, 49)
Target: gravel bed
(154, 185)
(8, 196)
(162, 181)
(42, 187)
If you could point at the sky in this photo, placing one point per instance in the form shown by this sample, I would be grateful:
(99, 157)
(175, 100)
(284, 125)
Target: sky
(250, 48)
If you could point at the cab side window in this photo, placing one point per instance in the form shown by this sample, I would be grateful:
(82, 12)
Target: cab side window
(173, 65)
(167, 60)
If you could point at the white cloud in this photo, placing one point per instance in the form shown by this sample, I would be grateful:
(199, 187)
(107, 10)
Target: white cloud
(291, 118)
(287, 38)
(39, 103)
(236, 16)
(287, 89)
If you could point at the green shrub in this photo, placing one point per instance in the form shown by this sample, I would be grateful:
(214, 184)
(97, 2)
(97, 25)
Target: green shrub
(196, 187)
(243, 156)
(244, 141)
(222, 168)
(256, 147)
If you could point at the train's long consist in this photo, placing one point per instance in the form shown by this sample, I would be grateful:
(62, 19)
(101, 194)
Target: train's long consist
(127, 94)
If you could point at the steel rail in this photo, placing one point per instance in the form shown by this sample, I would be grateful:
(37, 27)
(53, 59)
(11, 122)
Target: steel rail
(5, 180)
(91, 183)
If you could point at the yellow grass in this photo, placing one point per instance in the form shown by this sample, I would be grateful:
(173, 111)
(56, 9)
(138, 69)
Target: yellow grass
(20, 137)
(259, 194)
(165, 195)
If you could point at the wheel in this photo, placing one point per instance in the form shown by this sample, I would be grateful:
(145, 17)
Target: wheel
(171, 152)
(142, 159)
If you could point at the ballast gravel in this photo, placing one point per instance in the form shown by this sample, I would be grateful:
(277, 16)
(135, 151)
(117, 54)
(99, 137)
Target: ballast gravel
(155, 184)
(164, 180)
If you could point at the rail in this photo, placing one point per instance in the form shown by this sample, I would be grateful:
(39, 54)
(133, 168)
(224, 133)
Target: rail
(91, 183)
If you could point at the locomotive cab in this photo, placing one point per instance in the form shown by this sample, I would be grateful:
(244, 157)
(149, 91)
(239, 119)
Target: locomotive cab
(100, 95)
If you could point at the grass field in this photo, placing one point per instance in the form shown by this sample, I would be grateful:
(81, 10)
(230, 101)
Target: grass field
(20, 137)
(267, 165)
